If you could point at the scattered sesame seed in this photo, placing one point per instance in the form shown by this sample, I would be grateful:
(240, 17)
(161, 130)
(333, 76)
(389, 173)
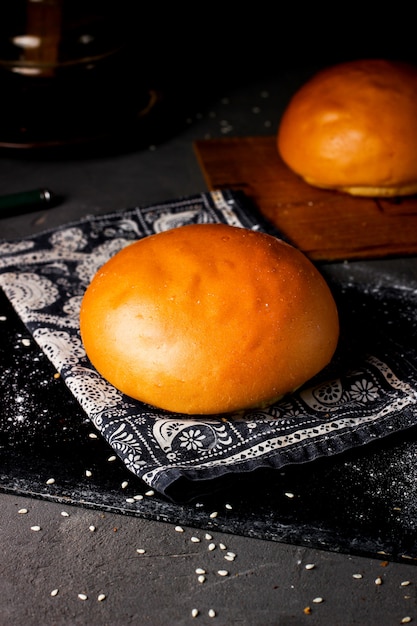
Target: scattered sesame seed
(200, 570)
(112, 458)
(228, 506)
(201, 578)
(230, 556)
(35, 528)
(179, 529)
(82, 596)
(223, 572)
(101, 597)
(406, 620)
(26, 342)
(405, 583)
(124, 484)
(57, 375)
(140, 551)
(65, 514)
(212, 546)
(22, 511)
(357, 576)
(213, 515)
(318, 600)
(194, 613)
(50, 481)
(212, 613)
(138, 497)
(208, 537)
(54, 592)
(195, 540)
(222, 546)
(310, 566)
(130, 500)
(92, 528)
(88, 473)
(3, 318)
(150, 492)
(378, 581)
(289, 494)
(307, 610)
(93, 436)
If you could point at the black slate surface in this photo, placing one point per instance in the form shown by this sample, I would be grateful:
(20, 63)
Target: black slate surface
(361, 502)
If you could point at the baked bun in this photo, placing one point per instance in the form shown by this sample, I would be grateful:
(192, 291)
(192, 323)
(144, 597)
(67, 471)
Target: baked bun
(353, 128)
(208, 318)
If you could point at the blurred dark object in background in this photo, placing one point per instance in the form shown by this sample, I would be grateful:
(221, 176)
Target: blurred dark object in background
(67, 74)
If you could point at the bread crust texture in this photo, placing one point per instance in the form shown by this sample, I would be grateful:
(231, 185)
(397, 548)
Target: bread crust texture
(353, 127)
(208, 318)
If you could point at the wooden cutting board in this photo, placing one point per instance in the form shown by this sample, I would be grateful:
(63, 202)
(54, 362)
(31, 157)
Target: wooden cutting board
(326, 225)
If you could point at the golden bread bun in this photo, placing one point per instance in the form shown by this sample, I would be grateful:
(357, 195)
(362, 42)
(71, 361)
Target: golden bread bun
(208, 318)
(353, 128)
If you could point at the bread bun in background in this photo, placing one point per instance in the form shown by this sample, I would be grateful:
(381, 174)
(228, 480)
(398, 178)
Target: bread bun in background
(353, 127)
(208, 318)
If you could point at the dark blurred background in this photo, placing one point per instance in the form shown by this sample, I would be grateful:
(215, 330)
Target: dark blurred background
(76, 71)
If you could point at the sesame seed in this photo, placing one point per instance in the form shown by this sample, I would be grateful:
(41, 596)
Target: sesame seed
(50, 481)
(82, 596)
(228, 506)
(318, 600)
(201, 578)
(150, 492)
(194, 613)
(357, 576)
(212, 546)
(124, 484)
(88, 473)
(310, 566)
(195, 540)
(35, 528)
(208, 537)
(223, 572)
(22, 511)
(289, 494)
(57, 375)
(140, 551)
(405, 583)
(378, 581)
(92, 528)
(54, 592)
(64, 514)
(130, 500)
(26, 342)
(213, 515)
(179, 529)
(222, 546)
(138, 497)
(101, 597)
(406, 620)
(212, 613)
(111, 458)
(200, 570)
(230, 556)
(92, 436)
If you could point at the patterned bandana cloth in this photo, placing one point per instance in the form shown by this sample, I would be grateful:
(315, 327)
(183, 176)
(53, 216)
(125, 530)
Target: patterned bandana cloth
(44, 278)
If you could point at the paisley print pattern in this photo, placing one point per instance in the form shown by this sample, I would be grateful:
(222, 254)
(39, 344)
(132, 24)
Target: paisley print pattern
(45, 276)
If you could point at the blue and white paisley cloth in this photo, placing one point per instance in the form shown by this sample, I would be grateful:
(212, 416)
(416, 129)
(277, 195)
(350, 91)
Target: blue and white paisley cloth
(44, 277)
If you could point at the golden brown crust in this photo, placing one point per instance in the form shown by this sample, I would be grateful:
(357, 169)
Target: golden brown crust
(353, 127)
(208, 319)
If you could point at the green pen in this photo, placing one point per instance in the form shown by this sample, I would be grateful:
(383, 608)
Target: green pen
(25, 201)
